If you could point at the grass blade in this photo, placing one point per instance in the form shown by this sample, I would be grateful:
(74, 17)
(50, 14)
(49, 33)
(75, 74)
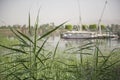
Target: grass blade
(112, 64)
(29, 24)
(19, 37)
(44, 35)
(39, 59)
(41, 46)
(55, 49)
(18, 50)
(26, 37)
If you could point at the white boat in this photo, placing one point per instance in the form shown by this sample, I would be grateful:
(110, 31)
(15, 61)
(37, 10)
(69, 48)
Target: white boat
(78, 35)
(86, 35)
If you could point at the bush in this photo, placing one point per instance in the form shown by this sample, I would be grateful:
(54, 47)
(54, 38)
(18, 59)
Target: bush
(93, 27)
(69, 27)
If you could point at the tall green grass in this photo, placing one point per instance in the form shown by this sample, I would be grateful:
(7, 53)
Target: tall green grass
(30, 60)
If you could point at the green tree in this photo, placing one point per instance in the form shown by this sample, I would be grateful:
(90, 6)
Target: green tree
(69, 27)
(93, 27)
(84, 27)
(103, 27)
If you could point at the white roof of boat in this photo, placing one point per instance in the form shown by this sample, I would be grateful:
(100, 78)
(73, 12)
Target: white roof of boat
(79, 32)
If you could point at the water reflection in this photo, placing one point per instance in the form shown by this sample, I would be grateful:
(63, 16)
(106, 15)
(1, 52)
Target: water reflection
(104, 44)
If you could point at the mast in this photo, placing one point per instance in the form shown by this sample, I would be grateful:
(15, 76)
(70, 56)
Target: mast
(80, 19)
(99, 21)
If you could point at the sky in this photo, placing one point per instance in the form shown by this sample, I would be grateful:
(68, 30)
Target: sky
(58, 11)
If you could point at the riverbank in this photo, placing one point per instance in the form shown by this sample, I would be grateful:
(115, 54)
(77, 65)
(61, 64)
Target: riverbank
(71, 64)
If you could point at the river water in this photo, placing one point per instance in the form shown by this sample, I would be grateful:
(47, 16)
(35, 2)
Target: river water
(105, 45)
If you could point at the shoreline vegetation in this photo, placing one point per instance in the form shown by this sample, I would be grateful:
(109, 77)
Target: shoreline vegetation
(113, 28)
(29, 60)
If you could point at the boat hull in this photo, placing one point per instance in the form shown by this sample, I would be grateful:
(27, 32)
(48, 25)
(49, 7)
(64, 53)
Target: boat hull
(86, 35)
